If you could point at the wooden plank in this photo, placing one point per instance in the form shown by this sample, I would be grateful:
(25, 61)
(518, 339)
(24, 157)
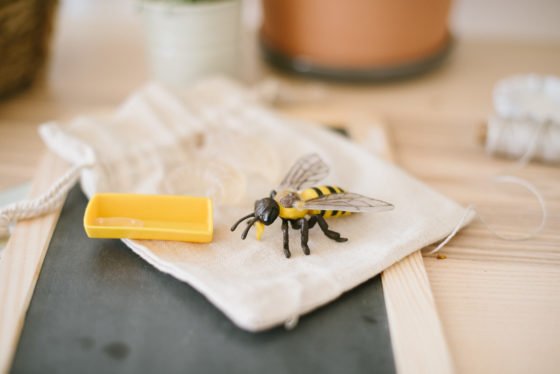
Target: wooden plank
(21, 262)
(419, 343)
(417, 336)
(511, 309)
(499, 301)
(418, 340)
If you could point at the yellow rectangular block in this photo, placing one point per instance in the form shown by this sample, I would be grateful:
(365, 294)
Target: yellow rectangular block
(157, 217)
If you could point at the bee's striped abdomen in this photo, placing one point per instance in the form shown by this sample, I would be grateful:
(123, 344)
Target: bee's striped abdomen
(315, 192)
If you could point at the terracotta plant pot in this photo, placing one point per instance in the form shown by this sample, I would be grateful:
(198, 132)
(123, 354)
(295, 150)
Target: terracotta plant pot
(355, 38)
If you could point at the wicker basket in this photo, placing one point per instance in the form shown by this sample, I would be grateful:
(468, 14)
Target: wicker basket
(25, 29)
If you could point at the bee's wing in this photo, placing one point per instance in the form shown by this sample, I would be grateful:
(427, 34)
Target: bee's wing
(306, 172)
(347, 202)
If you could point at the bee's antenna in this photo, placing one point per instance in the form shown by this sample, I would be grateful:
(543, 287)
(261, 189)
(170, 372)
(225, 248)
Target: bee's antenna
(241, 220)
(250, 224)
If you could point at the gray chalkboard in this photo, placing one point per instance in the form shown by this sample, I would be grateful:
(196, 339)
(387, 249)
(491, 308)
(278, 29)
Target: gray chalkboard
(99, 308)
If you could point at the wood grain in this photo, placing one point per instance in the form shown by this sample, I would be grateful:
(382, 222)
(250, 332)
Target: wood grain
(512, 309)
(418, 339)
(21, 263)
(417, 336)
(498, 301)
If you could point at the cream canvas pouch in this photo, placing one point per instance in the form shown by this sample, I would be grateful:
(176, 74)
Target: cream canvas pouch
(216, 140)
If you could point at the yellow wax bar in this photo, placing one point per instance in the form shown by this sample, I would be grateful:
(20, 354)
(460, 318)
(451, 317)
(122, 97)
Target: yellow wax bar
(158, 217)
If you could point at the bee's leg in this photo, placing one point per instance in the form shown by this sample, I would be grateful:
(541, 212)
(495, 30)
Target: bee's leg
(272, 194)
(312, 221)
(285, 231)
(329, 233)
(302, 224)
(304, 235)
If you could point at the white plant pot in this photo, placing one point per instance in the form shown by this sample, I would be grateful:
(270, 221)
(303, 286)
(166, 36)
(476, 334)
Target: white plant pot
(187, 41)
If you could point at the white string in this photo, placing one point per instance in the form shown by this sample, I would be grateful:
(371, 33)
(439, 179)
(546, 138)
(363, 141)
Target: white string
(524, 139)
(297, 288)
(534, 147)
(43, 204)
(455, 230)
(472, 209)
(292, 322)
(542, 205)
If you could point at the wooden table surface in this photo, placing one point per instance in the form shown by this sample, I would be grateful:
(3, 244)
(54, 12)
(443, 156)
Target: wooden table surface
(499, 301)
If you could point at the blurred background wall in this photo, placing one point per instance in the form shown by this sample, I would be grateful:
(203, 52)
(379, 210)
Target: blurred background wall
(512, 19)
(504, 19)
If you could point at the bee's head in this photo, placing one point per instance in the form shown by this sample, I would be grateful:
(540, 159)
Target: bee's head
(266, 210)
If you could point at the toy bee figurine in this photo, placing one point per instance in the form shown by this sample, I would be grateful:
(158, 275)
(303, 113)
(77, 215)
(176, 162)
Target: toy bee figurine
(302, 205)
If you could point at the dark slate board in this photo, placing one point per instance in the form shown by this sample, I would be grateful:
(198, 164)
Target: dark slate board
(99, 308)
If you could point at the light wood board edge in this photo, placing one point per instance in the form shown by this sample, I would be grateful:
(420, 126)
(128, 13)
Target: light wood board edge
(22, 260)
(419, 344)
(417, 337)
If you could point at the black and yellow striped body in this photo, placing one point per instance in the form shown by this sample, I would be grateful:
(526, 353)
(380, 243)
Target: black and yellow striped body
(315, 192)
(309, 194)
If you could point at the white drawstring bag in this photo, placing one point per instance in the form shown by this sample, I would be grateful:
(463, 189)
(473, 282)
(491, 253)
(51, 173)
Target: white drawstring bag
(217, 140)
